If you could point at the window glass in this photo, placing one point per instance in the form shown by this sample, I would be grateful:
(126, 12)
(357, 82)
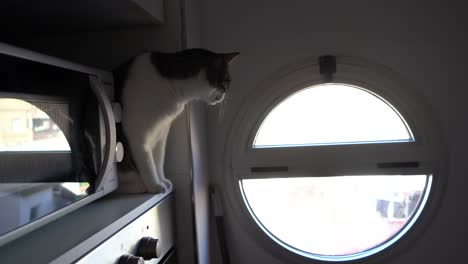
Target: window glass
(24, 127)
(335, 216)
(332, 114)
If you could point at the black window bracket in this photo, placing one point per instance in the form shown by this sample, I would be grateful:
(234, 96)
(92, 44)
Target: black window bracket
(327, 64)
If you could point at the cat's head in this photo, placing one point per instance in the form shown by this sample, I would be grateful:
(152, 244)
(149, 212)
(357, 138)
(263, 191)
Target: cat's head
(207, 72)
(218, 77)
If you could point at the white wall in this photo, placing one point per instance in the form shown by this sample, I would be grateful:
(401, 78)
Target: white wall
(423, 41)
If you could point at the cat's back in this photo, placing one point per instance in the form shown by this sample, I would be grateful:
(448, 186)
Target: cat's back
(144, 84)
(148, 99)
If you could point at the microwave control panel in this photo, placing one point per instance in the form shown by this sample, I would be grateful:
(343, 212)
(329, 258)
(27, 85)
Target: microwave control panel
(148, 239)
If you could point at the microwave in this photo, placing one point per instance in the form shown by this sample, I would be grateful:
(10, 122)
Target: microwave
(57, 139)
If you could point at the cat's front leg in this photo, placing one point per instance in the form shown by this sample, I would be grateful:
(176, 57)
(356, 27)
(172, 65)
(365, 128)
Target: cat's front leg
(143, 158)
(159, 155)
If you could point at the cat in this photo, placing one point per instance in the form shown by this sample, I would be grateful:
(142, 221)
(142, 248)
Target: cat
(153, 89)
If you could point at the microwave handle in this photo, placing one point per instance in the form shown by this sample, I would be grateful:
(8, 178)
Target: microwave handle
(107, 176)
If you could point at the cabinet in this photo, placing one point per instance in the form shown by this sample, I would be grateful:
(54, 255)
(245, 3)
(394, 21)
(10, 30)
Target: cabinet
(19, 17)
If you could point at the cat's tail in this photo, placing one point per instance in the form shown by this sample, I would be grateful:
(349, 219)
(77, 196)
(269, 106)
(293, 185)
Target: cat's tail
(168, 184)
(130, 182)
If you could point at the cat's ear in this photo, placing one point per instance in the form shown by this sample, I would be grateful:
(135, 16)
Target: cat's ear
(229, 57)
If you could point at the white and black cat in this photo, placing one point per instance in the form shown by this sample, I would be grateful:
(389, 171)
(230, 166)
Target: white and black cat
(153, 89)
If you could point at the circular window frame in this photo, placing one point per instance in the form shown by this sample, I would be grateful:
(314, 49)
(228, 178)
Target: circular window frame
(376, 79)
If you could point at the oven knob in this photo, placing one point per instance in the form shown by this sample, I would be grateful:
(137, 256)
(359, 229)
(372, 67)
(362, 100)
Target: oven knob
(130, 259)
(149, 248)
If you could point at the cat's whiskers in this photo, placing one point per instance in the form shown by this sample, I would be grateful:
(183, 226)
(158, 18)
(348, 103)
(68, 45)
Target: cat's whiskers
(177, 93)
(222, 106)
(221, 113)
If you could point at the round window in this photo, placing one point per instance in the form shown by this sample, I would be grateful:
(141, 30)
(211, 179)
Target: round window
(334, 171)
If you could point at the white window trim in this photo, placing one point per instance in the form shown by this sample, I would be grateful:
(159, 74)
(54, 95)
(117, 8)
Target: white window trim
(428, 149)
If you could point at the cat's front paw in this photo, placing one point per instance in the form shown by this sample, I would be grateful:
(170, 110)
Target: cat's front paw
(155, 189)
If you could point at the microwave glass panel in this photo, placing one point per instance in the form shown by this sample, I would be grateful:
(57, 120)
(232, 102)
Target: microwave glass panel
(25, 127)
(52, 139)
